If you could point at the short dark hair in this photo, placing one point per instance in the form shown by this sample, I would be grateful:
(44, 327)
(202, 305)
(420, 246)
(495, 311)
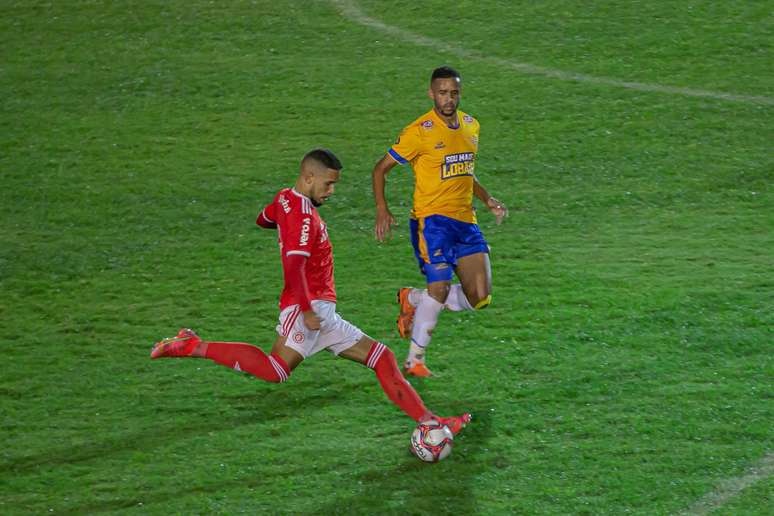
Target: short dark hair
(445, 72)
(324, 157)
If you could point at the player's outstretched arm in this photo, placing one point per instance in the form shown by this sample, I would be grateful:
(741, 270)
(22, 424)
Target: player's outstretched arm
(384, 218)
(498, 209)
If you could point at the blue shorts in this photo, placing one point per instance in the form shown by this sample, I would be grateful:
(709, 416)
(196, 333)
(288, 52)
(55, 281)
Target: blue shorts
(440, 241)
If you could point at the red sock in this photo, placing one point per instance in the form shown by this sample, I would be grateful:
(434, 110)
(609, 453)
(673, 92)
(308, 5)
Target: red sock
(250, 359)
(382, 360)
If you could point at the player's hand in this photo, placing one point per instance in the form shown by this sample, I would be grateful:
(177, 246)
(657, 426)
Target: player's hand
(498, 209)
(384, 223)
(311, 320)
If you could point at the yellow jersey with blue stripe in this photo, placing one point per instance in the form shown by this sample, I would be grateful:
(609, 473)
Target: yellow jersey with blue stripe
(443, 159)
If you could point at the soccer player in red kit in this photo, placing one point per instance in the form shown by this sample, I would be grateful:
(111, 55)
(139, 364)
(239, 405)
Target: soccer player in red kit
(308, 321)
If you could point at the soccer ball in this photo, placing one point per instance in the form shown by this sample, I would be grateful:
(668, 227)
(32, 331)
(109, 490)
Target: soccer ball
(431, 441)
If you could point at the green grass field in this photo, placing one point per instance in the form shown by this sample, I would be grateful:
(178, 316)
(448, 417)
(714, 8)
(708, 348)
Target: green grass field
(625, 365)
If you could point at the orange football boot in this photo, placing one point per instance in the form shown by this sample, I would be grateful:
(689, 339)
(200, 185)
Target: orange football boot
(418, 369)
(181, 345)
(406, 315)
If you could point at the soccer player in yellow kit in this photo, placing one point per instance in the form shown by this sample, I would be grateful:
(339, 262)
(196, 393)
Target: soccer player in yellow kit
(441, 147)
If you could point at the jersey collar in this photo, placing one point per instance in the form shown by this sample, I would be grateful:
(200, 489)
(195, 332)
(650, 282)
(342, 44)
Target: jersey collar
(443, 122)
(299, 194)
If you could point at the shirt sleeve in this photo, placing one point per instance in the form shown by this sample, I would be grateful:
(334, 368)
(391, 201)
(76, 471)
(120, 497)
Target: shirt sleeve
(407, 145)
(267, 219)
(294, 267)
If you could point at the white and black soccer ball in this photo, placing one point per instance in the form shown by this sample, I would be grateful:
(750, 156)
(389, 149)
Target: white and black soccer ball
(431, 441)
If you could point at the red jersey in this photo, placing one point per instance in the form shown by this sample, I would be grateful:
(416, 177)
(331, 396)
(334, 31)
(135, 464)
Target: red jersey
(301, 232)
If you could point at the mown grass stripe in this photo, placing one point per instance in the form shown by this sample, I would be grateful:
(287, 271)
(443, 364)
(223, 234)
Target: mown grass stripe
(353, 12)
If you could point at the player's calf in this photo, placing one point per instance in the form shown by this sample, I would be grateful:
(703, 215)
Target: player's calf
(382, 360)
(458, 301)
(249, 359)
(235, 355)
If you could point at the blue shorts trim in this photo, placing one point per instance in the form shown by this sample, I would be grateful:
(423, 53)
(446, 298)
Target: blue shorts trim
(437, 271)
(442, 242)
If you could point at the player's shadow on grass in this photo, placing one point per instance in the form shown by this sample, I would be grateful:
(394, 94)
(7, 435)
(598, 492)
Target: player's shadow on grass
(411, 488)
(418, 488)
(175, 421)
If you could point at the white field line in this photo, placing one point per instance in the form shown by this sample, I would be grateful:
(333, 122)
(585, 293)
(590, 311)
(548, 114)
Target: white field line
(732, 487)
(352, 11)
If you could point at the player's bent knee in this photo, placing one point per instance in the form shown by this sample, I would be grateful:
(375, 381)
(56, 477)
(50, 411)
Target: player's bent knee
(483, 303)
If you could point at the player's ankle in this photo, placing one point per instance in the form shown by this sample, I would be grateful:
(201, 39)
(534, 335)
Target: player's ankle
(200, 351)
(416, 353)
(427, 416)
